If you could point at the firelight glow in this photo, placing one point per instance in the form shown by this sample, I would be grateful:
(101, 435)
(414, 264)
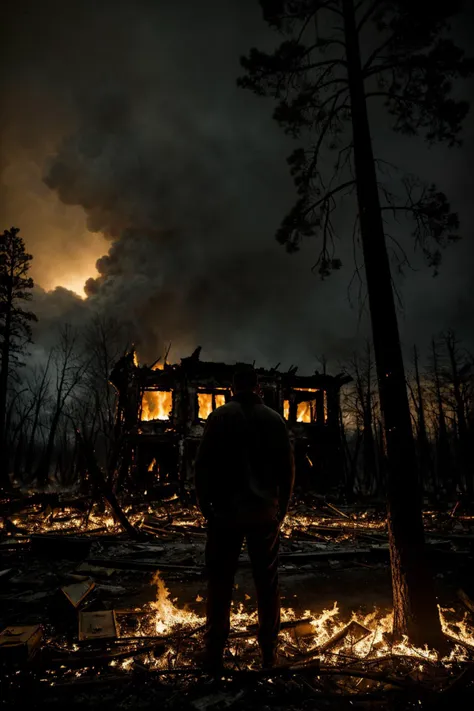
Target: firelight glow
(74, 283)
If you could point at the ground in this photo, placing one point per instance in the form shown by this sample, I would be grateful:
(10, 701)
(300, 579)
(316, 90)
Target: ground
(319, 567)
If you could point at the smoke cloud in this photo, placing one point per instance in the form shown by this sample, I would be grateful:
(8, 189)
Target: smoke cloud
(134, 165)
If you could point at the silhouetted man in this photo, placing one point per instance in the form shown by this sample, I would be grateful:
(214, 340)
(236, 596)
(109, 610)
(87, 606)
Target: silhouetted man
(244, 479)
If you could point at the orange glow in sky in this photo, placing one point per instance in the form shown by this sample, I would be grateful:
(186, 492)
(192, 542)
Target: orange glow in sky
(74, 283)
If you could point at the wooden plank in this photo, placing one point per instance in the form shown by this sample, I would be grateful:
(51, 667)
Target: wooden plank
(464, 597)
(355, 630)
(132, 564)
(99, 625)
(77, 592)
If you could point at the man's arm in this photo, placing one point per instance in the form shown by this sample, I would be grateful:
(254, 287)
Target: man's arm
(287, 472)
(204, 465)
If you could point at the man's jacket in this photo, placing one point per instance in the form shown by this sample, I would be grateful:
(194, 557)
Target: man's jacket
(244, 466)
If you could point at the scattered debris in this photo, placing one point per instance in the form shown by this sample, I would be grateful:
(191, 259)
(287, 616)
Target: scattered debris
(5, 575)
(354, 631)
(464, 597)
(18, 645)
(78, 592)
(217, 701)
(50, 554)
(100, 625)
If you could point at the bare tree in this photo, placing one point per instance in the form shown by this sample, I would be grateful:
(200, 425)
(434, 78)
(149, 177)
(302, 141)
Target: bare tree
(38, 388)
(459, 378)
(69, 364)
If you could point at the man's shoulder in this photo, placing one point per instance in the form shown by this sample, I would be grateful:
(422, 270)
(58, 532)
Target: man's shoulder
(271, 414)
(262, 411)
(229, 408)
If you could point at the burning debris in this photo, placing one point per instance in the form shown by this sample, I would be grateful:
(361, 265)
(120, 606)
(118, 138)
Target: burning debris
(135, 607)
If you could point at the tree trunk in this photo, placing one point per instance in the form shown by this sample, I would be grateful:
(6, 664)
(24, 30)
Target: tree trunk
(414, 602)
(443, 455)
(4, 368)
(423, 443)
(370, 463)
(42, 473)
(463, 436)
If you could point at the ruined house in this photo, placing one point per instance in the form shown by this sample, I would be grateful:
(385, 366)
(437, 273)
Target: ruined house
(162, 411)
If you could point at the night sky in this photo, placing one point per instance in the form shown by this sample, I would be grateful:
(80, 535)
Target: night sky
(125, 139)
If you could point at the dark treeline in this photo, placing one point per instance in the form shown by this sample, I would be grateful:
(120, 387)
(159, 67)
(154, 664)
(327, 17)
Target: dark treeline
(441, 390)
(54, 399)
(45, 402)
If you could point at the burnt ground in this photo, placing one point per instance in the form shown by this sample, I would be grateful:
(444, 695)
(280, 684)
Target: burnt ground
(314, 574)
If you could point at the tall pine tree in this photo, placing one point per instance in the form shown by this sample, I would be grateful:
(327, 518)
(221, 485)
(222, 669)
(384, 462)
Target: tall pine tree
(15, 324)
(339, 56)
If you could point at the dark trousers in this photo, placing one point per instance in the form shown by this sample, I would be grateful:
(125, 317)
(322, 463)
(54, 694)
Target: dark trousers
(223, 546)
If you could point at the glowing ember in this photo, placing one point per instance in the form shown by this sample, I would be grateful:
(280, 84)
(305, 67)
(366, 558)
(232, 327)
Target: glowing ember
(166, 618)
(156, 405)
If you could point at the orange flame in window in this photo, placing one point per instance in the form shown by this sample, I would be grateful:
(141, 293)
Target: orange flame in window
(156, 405)
(204, 405)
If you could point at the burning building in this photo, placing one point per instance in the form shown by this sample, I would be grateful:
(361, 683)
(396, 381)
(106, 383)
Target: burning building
(162, 411)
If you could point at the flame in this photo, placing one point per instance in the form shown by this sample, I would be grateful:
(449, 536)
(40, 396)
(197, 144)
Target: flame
(158, 366)
(219, 399)
(306, 411)
(204, 405)
(286, 409)
(156, 405)
(166, 615)
(152, 464)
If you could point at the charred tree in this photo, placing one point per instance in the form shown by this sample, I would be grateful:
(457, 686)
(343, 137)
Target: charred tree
(323, 86)
(70, 367)
(39, 391)
(370, 459)
(443, 455)
(414, 602)
(425, 463)
(458, 384)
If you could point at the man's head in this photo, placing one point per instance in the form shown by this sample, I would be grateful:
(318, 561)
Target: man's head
(245, 379)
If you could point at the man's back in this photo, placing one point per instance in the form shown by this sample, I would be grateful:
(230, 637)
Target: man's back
(244, 477)
(246, 457)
